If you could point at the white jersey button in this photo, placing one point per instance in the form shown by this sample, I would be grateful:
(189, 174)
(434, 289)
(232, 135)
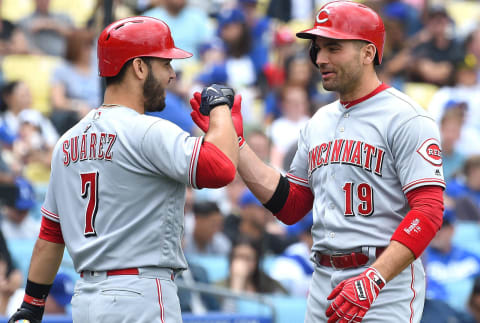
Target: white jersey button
(332, 234)
(342, 129)
(346, 115)
(332, 206)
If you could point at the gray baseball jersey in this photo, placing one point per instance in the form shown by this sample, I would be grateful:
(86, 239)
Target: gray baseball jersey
(359, 162)
(117, 187)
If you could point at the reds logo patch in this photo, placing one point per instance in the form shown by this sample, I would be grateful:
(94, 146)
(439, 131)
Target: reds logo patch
(322, 16)
(431, 152)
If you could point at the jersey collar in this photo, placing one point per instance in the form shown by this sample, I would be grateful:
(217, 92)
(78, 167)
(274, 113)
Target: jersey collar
(349, 104)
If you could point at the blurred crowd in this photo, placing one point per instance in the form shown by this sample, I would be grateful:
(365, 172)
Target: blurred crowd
(49, 80)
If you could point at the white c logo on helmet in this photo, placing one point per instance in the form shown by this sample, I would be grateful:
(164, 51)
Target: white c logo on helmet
(321, 21)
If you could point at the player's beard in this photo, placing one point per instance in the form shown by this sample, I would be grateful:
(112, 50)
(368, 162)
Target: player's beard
(347, 77)
(154, 94)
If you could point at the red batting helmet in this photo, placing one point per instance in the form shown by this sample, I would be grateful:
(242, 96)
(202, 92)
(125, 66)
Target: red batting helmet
(348, 20)
(133, 37)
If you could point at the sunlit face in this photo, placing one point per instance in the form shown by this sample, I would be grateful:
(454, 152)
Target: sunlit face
(160, 76)
(340, 64)
(246, 253)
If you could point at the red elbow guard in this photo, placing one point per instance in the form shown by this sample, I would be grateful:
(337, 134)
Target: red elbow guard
(299, 202)
(214, 168)
(415, 232)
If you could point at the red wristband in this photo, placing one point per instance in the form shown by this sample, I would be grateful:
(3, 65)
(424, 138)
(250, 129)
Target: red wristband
(34, 301)
(415, 232)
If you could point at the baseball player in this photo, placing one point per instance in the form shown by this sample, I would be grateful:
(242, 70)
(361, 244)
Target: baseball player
(117, 188)
(370, 166)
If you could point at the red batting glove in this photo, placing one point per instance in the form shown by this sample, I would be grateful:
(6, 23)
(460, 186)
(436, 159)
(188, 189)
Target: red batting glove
(353, 297)
(203, 121)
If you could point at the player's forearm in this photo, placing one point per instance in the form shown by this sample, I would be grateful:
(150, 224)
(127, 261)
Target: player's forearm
(46, 259)
(260, 178)
(222, 134)
(393, 260)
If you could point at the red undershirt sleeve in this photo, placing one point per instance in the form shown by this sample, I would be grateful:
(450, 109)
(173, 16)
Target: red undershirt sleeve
(214, 168)
(299, 202)
(50, 231)
(423, 220)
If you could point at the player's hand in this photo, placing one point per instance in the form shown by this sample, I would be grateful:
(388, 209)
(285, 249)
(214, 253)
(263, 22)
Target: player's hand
(353, 297)
(24, 315)
(215, 95)
(202, 121)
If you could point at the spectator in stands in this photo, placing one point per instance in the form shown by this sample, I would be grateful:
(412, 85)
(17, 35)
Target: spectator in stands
(257, 223)
(443, 283)
(467, 184)
(474, 302)
(45, 30)
(16, 223)
(294, 269)
(60, 294)
(245, 272)
(206, 236)
(76, 87)
(259, 142)
(10, 277)
(450, 128)
(284, 131)
(435, 58)
(472, 46)
(178, 14)
(6, 33)
(195, 302)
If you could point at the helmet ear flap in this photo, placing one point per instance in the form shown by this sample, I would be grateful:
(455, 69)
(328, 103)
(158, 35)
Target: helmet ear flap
(313, 52)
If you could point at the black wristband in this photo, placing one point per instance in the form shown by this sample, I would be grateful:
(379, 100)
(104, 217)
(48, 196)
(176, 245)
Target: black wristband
(35, 290)
(279, 197)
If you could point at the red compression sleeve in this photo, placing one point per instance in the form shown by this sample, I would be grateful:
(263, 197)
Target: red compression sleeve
(299, 202)
(214, 168)
(50, 231)
(424, 219)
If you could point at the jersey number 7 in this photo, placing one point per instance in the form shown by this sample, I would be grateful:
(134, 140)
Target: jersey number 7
(365, 196)
(90, 191)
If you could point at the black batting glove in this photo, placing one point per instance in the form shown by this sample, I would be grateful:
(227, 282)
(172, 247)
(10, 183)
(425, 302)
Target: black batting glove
(25, 313)
(215, 95)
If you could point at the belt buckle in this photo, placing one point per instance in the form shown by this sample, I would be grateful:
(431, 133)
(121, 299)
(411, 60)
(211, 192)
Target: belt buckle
(335, 254)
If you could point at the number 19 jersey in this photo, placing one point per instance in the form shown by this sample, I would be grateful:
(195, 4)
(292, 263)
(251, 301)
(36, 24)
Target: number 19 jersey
(359, 161)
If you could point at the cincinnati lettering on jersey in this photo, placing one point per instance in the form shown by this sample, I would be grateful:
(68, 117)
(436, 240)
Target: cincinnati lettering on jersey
(91, 146)
(346, 151)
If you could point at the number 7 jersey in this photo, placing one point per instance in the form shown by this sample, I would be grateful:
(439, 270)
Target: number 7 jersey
(359, 160)
(117, 187)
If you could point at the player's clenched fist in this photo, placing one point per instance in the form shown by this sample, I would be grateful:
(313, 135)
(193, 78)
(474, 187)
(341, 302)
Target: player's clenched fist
(215, 95)
(202, 121)
(353, 297)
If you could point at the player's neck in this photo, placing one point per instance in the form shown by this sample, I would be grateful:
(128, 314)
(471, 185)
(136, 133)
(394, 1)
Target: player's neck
(367, 84)
(117, 95)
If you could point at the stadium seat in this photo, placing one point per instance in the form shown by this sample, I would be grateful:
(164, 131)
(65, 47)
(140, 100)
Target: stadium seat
(466, 14)
(467, 236)
(14, 10)
(35, 70)
(420, 92)
(79, 10)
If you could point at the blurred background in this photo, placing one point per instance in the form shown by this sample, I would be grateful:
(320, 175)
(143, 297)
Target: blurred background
(245, 266)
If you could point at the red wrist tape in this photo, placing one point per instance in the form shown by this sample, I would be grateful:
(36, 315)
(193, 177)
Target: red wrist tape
(34, 301)
(415, 232)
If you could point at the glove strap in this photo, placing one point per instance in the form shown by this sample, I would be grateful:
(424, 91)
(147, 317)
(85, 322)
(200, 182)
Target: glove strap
(241, 142)
(375, 276)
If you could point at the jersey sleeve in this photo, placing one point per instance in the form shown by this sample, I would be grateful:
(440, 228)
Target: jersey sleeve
(417, 154)
(298, 172)
(172, 152)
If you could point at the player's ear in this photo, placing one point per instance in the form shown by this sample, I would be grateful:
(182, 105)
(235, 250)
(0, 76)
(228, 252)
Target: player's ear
(140, 68)
(368, 53)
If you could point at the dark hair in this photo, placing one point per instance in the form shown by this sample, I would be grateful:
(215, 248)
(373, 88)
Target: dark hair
(471, 162)
(7, 90)
(205, 208)
(76, 41)
(242, 45)
(111, 80)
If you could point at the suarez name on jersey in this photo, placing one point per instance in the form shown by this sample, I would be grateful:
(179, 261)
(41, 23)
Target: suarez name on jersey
(92, 146)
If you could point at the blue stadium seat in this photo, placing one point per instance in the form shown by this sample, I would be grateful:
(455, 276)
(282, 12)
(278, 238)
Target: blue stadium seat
(467, 236)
